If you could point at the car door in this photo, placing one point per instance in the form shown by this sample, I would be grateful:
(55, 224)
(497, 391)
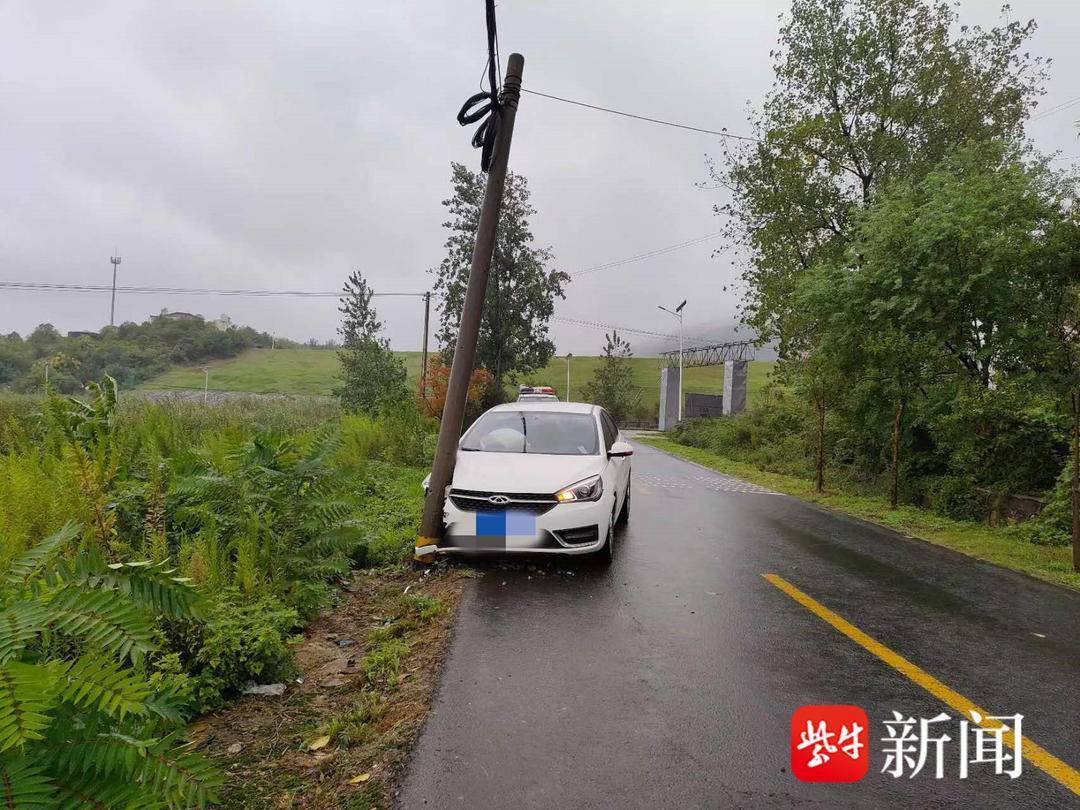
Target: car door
(620, 465)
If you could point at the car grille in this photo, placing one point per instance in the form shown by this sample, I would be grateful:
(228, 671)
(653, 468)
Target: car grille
(581, 536)
(474, 501)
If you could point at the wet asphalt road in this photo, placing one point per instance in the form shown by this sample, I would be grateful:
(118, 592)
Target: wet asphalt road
(670, 678)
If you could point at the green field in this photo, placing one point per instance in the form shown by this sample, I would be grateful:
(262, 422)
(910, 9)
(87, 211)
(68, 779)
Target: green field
(313, 371)
(267, 371)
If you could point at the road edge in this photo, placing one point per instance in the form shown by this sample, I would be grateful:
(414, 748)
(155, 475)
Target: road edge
(1068, 583)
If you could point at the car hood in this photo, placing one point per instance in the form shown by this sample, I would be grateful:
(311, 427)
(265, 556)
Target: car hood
(521, 472)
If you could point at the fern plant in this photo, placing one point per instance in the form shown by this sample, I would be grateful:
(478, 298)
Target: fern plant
(81, 726)
(284, 512)
(88, 431)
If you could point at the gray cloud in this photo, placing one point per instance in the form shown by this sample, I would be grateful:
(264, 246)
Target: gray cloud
(279, 145)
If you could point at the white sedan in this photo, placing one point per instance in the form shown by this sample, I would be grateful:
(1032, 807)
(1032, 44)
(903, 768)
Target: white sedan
(541, 478)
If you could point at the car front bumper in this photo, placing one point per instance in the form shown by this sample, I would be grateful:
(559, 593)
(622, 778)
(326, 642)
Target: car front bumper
(565, 528)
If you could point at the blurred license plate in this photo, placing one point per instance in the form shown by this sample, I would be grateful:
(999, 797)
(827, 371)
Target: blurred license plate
(505, 524)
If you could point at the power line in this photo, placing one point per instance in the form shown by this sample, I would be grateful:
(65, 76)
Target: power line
(151, 290)
(648, 254)
(599, 325)
(1072, 102)
(627, 329)
(723, 133)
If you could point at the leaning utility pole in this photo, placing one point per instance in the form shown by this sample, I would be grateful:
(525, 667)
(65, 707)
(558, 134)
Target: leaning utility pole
(457, 390)
(112, 309)
(423, 354)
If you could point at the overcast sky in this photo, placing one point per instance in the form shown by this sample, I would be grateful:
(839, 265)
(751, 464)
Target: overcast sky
(280, 144)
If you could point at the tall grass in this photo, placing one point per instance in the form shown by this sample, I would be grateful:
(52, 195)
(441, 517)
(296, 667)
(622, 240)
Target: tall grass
(266, 502)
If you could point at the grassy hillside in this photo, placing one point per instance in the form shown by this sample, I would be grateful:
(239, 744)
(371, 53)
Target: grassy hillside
(268, 371)
(312, 371)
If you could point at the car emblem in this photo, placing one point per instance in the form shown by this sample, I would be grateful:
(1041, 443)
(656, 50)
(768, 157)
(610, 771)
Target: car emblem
(498, 499)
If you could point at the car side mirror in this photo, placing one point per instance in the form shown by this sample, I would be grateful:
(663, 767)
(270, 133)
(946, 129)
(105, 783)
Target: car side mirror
(620, 450)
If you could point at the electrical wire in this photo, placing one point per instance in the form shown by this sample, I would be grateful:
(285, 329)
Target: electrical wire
(152, 290)
(687, 339)
(1072, 102)
(723, 133)
(599, 325)
(647, 255)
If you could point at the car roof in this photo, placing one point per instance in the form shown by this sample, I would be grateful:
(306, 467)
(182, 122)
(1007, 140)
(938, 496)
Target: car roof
(547, 405)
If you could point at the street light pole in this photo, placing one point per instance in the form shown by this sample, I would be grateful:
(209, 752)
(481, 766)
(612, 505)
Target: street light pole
(112, 308)
(677, 312)
(569, 356)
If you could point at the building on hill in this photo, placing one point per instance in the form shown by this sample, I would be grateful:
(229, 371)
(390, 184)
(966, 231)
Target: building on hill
(176, 316)
(77, 333)
(224, 322)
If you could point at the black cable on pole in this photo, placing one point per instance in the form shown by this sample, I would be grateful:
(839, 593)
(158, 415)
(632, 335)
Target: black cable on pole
(485, 104)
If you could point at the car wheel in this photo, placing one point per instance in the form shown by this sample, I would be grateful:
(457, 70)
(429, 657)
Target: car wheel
(605, 553)
(624, 513)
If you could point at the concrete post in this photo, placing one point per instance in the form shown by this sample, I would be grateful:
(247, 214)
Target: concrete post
(734, 386)
(669, 397)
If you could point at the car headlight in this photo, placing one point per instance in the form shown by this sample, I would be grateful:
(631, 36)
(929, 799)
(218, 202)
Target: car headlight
(588, 490)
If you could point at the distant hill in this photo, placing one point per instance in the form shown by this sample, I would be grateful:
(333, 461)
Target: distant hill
(313, 371)
(130, 353)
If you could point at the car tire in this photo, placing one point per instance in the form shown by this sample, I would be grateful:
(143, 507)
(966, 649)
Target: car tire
(605, 553)
(624, 513)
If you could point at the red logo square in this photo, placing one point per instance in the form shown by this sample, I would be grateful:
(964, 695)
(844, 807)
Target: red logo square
(829, 743)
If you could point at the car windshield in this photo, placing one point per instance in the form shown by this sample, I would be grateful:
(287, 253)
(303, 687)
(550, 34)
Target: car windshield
(537, 432)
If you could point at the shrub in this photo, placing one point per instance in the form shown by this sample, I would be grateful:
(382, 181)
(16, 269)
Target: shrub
(390, 513)
(433, 400)
(362, 438)
(956, 496)
(1005, 438)
(242, 641)
(1053, 526)
(774, 435)
(407, 433)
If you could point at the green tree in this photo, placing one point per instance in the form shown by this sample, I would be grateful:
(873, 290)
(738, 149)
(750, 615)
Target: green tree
(953, 280)
(862, 342)
(612, 386)
(961, 247)
(521, 291)
(371, 374)
(866, 92)
(818, 377)
(1054, 351)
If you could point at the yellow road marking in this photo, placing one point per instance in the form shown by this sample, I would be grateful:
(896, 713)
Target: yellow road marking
(1039, 757)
